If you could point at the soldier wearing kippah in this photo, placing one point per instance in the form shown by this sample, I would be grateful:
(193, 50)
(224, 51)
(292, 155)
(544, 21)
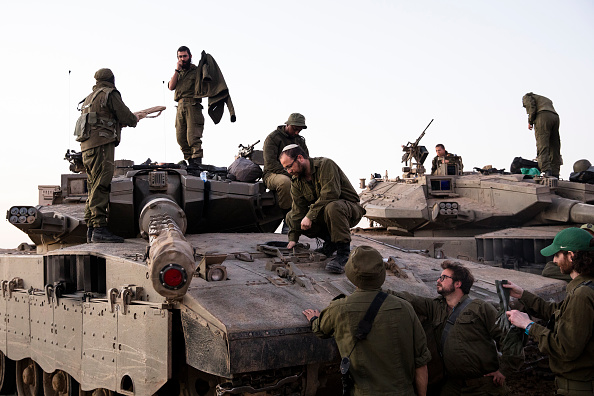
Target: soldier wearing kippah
(98, 131)
(275, 177)
(325, 204)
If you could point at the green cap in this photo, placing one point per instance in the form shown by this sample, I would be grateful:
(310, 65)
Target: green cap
(103, 74)
(297, 119)
(569, 240)
(365, 268)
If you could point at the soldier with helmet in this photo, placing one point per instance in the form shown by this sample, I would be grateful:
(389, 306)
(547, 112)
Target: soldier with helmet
(98, 130)
(275, 177)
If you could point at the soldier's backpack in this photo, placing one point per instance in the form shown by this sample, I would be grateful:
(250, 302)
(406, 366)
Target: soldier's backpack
(245, 170)
(582, 177)
(518, 163)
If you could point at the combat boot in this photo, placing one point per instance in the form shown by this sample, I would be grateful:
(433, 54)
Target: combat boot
(103, 235)
(89, 234)
(194, 162)
(336, 265)
(327, 249)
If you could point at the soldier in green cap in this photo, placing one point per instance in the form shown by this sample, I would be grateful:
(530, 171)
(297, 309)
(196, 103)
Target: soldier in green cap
(189, 121)
(275, 177)
(98, 130)
(325, 204)
(545, 121)
(569, 340)
(552, 270)
(466, 335)
(392, 359)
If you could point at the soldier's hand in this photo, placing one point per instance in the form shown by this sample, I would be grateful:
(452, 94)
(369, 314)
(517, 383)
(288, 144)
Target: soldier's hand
(516, 291)
(291, 244)
(530, 126)
(518, 319)
(305, 223)
(310, 313)
(179, 64)
(498, 378)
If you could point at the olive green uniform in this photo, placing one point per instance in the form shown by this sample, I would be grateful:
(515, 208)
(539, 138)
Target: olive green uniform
(551, 270)
(189, 121)
(469, 352)
(437, 161)
(545, 119)
(328, 200)
(570, 345)
(98, 151)
(385, 362)
(275, 177)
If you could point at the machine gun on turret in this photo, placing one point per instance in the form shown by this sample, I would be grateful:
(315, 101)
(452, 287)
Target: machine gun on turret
(412, 151)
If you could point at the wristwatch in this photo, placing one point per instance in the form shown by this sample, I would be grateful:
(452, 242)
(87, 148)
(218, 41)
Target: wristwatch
(527, 329)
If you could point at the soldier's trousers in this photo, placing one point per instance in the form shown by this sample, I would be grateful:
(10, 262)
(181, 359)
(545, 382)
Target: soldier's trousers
(282, 185)
(189, 125)
(548, 142)
(99, 164)
(336, 220)
(483, 386)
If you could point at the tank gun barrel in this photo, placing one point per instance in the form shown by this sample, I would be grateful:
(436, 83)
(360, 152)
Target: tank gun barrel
(171, 257)
(568, 211)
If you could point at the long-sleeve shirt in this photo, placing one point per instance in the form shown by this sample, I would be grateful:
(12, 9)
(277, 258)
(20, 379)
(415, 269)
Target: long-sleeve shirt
(535, 104)
(385, 362)
(273, 145)
(470, 351)
(570, 345)
(328, 183)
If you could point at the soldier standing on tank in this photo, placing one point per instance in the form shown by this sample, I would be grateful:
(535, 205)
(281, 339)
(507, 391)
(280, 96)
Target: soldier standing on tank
(189, 121)
(545, 121)
(325, 204)
(275, 177)
(468, 346)
(569, 342)
(393, 358)
(105, 114)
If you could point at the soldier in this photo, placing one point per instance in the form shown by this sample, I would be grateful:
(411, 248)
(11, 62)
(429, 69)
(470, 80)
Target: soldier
(393, 358)
(98, 131)
(189, 121)
(464, 331)
(442, 158)
(275, 177)
(325, 204)
(545, 121)
(568, 342)
(551, 270)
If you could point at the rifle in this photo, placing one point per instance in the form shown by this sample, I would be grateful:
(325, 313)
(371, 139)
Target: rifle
(246, 151)
(145, 113)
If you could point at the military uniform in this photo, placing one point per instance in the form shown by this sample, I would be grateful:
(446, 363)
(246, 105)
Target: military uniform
(189, 121)
(437, 161)
(275, 177)
(328, 200)
(570, 345)
(384, 363)
(545, 119)
(107, 114)
(469, 352)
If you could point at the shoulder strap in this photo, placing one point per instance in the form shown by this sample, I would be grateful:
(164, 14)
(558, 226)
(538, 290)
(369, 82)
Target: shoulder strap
(452, 320)
(588, 283)
(365, 323)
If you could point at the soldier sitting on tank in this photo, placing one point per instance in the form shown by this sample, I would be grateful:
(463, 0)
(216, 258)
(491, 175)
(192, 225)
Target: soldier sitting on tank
(325, 204)
(445, 163)
(98, 130)
(275, 177)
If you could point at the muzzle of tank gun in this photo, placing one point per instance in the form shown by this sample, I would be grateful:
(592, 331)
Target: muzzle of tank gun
(171, 257)
(568, 211)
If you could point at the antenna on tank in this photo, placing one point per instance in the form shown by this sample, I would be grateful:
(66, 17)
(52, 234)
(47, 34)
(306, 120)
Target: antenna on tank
(68, 121)
(164, 125)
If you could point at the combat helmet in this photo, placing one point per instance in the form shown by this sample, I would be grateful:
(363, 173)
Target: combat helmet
(581, 165)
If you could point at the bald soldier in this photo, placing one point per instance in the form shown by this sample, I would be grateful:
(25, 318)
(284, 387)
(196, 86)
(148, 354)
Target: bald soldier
(99, 130)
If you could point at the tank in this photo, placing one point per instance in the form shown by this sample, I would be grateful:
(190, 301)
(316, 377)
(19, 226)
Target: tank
(487, 215)
(200, 299)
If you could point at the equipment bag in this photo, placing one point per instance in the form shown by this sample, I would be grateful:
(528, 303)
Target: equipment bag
(245, 170)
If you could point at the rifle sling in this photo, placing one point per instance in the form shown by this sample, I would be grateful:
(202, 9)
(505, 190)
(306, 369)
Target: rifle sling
(365, 324)
(451, 321)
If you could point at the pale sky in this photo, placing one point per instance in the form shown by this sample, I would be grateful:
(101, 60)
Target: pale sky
(367, 75)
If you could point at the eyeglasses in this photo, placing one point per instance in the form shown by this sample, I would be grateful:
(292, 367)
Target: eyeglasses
(290, 166)
(443, 277)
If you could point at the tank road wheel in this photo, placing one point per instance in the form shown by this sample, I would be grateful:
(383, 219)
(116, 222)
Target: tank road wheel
(59, 383)
(28, 378)
(7, 384)
(97, 392)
